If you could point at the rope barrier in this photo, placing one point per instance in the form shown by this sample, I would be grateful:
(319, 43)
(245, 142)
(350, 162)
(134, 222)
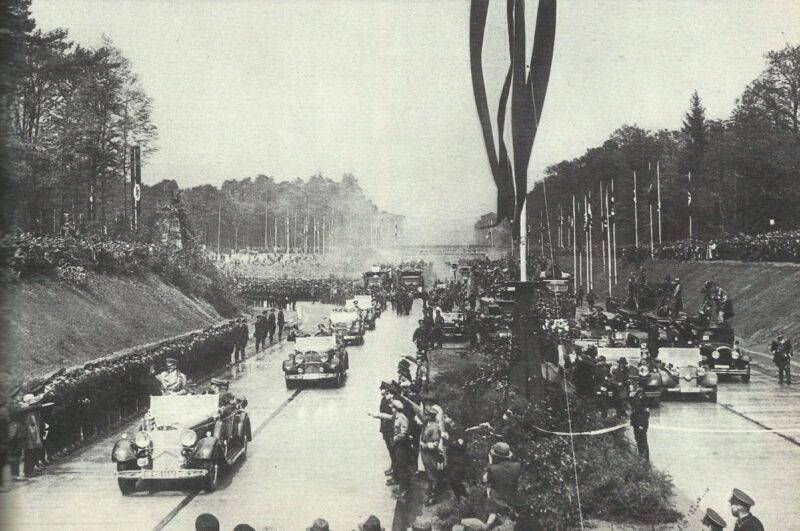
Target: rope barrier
(663, 427)
(572, 446)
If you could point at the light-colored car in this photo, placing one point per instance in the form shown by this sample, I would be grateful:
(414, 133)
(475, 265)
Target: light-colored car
(316, 358)
(642, 375)
(685, 373)
(182, 437)
(348, 325)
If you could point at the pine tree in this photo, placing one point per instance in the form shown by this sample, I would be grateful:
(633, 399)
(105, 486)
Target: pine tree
(694, 129)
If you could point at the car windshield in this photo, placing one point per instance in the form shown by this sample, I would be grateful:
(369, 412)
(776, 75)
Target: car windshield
(613, 355)
(183, 410)
(318, 344)
(680, 357)
(343, 317)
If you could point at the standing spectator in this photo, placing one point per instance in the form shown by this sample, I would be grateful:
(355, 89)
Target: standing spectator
(260, 330)
(401, 447)
(712, 521)
(502, 480)
(281, 322)
(388, 394)
(244, 335)
(591, 298)
(741, 504)
(432, 452)
(640, 422)
(455, 469)
(782, 356)
(371, 524)
(271, 325)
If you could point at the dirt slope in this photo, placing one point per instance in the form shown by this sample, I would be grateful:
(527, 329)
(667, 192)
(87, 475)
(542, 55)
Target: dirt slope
(765, 295)
(51, 324)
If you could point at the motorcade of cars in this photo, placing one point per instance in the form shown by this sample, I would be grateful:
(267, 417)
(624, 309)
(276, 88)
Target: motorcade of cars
(318, 358)
(685, 372)
(716, 342)
(642, 375)
(182, 438)
(348, 326)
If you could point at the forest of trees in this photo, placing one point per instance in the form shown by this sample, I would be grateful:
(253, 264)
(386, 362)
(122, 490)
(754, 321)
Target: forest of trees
(745, 170)
(313, 215)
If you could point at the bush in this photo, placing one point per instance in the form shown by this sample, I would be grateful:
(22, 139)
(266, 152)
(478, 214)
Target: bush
(615, 484)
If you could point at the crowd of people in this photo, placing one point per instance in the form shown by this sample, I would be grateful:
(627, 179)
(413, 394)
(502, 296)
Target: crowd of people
(288, 265)
(28, 255)
(285, 293)
(50, 417)
(775, 246)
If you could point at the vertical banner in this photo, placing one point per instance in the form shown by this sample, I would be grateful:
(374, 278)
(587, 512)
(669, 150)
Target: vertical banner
(136, 185)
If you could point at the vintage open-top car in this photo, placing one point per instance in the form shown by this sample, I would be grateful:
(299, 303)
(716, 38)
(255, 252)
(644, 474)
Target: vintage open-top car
(293, 324)
(366, 305)
(685, 373)
(316, 358)
(182, 437)
(348, 326)
(642, 374)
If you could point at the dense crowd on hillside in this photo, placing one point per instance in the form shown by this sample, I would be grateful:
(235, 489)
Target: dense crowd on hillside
(29, 255)
(288, 265)
(281, 292)
(777, 246)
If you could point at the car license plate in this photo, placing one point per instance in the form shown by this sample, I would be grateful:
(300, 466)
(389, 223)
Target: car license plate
(691, 390)
(722, 366)
(706, 338)
(160, 474)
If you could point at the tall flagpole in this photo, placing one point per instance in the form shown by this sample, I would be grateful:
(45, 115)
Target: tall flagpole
(658, 181)
(612, 225)
(635, 209)
(590, 260)
(523, 241)
(690, 205)
(603, 220)
(586, 240)
(574, 251)
(652, 250)
(608, 238)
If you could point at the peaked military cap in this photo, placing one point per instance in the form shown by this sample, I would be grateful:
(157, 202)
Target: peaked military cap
(713, 519)
(220, 382)
(171, 360)
(740, 498)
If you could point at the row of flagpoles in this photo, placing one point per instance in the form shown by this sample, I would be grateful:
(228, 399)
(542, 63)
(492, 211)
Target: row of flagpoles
(583, 258)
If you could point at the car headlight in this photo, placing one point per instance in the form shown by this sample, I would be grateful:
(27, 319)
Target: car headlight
(715, 354)
(735, 355)
(142, 439)
(188, 438)
(300, 370)
(298, 358)
(745, 358)
(643, 370)
(701, 371)
(325, 357)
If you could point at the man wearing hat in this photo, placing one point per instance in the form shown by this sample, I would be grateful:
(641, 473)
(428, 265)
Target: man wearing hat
(782, 357)
(740, 508)
(387, 395)
(173, 380)
(371, 524)
(712, 521)
(501, 479)
(421, 336)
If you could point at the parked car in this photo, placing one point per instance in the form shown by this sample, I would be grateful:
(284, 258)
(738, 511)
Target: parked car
(716, 342)
(348, 326)
(316, 358)
(181, 438)
(685, 373)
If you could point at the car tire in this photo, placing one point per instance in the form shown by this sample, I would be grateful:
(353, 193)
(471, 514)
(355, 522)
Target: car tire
(713, 396)
(126, 486)
(746, 378)
(291, 384)
(211, 480)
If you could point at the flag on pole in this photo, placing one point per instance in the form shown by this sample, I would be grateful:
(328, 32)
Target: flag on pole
(611, 207)
(689, 193)
(651, 196)
(587, 217)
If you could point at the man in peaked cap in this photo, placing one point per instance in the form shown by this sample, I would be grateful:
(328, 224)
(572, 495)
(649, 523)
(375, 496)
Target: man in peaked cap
(320, 524)
(173, 380)
(712, 521)
(740, 508)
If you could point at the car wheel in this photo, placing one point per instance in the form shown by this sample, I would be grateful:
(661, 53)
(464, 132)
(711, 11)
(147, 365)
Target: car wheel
(211, 481)
(746, 377)
(126, 486)
(291, 384)
(713, 396)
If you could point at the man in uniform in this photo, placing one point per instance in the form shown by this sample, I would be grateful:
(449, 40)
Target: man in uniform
(271, 325)
(244, 335)
(782, 357)
(740, 508)
(260, 330)
(640, 422)
(421, 336)
(281, 322)
(173, 380)
(501, 479)
(712, 521)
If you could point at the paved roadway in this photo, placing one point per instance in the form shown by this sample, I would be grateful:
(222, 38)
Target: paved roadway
(709, 464)
(315, 453)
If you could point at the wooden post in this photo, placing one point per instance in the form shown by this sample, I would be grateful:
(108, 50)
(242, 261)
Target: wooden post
(526, 332)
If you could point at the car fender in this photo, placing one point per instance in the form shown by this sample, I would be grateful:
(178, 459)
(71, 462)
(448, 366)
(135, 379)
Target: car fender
(710, 379)
(244, 427)
(123, 451)
(288, 365)
(205, 448)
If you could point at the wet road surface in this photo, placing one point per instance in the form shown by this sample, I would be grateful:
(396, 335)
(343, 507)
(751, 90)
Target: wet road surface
(315, 453)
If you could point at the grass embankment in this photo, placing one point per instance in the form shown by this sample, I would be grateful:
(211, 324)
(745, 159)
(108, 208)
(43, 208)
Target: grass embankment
(52, 324)
(764, 295)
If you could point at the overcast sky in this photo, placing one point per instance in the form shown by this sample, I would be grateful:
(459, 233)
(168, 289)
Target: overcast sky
(382, 89)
